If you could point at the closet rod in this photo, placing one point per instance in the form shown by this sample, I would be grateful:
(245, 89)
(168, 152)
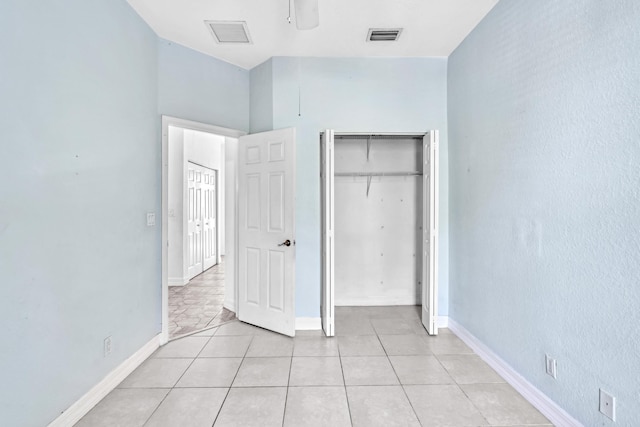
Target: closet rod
(378, 173)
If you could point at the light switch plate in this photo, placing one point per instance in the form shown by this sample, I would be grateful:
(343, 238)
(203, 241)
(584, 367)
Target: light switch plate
(551, 366)
(151, 219)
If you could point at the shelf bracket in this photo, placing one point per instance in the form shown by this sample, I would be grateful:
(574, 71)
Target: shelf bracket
(368, 146)
(368, 184)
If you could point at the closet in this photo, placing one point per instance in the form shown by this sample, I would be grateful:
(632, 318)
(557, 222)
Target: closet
(379, 225)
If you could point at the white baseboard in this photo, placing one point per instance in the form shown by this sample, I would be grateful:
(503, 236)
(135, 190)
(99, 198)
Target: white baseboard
(375, 301)
(229, 304)
(443, 321)
(308, 323)
(177, 281)
(558, 416)
(83, 405)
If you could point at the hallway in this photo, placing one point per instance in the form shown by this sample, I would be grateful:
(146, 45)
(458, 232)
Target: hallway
(198, 304)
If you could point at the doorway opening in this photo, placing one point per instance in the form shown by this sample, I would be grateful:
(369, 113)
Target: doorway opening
(198, 226)
(252, 227)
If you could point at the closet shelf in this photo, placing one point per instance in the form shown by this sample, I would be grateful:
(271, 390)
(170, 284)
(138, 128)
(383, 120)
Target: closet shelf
(413, 173)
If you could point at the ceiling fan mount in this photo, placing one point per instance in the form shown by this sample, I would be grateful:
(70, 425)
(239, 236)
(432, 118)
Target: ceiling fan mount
(307, 15)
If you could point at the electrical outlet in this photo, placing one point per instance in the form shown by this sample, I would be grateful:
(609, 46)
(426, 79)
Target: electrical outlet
(151, 219)
(107, 346)
(607, 404)
(551, 365)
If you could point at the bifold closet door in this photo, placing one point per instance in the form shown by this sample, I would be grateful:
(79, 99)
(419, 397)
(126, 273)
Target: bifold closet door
(209, 218)
(194, 220)
(327, 303)
(429, 231)
(201, 219)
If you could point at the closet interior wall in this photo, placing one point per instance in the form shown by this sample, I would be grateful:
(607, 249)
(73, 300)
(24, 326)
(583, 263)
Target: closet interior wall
(378, 219)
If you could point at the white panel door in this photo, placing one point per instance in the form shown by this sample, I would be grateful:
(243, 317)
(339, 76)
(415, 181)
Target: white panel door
(429, 232)
(209, 218)
(327, 303)
(266, 230)
(194, 220)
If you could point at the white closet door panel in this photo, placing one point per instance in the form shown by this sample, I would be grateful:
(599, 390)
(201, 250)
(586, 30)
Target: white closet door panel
(194, 220)
(430, 228)
(209, 218)
(327, 304)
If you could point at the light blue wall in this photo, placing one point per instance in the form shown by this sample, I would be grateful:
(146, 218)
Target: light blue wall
(79, 169)
(262, 97)
(544, 146)
(357, 95)
(197, 87)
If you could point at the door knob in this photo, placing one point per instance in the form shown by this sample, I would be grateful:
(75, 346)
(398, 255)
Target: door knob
(285, 243)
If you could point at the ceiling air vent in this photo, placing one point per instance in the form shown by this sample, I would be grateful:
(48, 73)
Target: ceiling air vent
(229, 31)
(383, 34)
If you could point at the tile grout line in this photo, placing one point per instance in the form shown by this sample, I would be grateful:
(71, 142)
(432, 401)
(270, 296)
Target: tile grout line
(399, 382)
(232, 381)
(286, 395)
(344, 381)
(177, 381)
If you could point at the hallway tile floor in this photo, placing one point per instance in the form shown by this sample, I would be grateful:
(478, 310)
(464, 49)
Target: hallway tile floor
(198, 304)
(382, 370)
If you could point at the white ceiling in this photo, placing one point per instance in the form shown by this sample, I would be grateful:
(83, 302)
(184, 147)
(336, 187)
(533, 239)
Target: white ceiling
(431, 27)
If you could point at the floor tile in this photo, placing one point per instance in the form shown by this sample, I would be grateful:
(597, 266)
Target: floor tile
(183, 347)
(317, 407)
(249, 407)
(270, 346)
(368, 371)
(360, 346)
(412, 312)
(385, 406)
(315, 346)
(195, 305)
(405, 345)
(210, 372)
(124, 408)
(395, 326)
(469, 369)
(502, 405)
(240, 328)
(156, 373)
(263, 372)
(192, 407)
(447, 344)
(231, 346)
(353, 326)
(316, 371)
(420, 370)
(206, 333)
(443, 405)
(309, 333)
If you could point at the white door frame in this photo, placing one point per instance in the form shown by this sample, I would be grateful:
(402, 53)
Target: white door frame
(164, 242)
(328, 284)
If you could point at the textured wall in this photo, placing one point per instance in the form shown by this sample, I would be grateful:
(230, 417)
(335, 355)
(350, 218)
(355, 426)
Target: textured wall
(353, 95)
(261, 97)
(544, 149)
(197, 87)
(79, 169)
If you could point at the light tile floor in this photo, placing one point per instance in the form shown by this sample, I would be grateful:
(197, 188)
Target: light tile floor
(198, 304)
(382, 370)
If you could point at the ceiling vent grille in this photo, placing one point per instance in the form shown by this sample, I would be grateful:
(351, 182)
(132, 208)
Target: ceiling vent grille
(383, 34)
(229, 31)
